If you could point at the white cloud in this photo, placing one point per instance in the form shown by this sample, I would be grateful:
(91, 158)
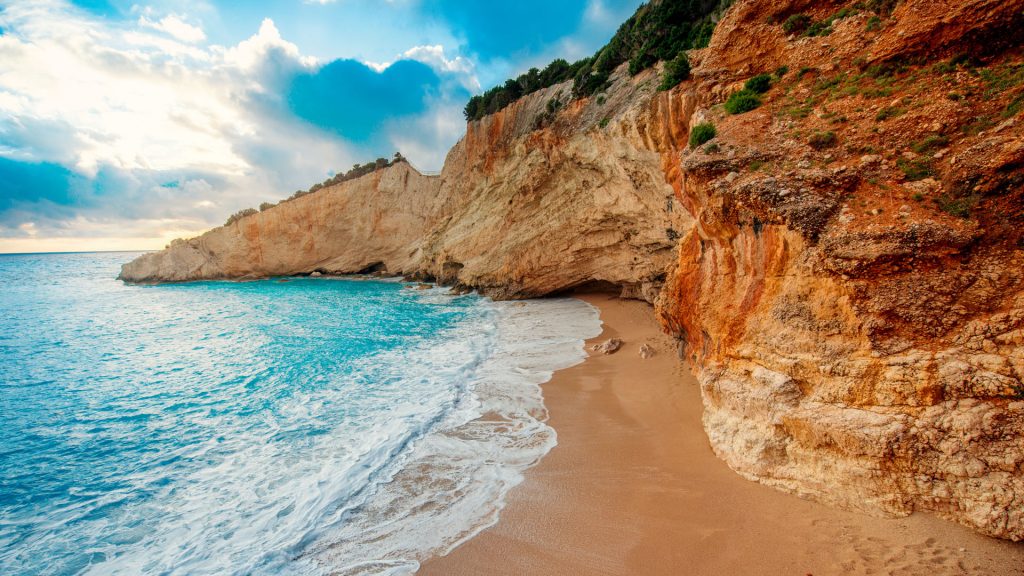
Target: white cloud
(250, 54)
(597, 13)
(135, 104)
(176, 27)
(425, 140)
(459, 68)
(434, 56)
(181, 134)
(123, 102)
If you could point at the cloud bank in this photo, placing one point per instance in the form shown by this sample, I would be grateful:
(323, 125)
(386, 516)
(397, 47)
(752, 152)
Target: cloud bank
(107, 127)
(124, 126)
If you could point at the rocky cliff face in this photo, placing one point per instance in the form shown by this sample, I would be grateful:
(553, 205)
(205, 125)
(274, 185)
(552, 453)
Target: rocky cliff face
(370, 223)
(843, 266)
(534, 211)
(855, 309)
(529, 203)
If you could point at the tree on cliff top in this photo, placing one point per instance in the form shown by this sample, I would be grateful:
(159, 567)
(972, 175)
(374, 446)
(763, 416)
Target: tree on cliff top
(239, 215)
(356, 171)
(658, 31)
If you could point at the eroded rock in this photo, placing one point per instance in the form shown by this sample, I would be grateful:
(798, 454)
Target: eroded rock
(610, 346)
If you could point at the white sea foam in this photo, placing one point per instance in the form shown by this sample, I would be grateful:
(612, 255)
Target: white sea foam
(283, 466)
(452, 482)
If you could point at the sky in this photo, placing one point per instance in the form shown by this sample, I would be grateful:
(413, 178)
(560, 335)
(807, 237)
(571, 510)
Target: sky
(124, 125)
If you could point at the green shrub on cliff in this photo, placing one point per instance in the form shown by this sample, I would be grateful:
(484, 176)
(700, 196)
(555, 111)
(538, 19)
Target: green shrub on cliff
(915, 169)
(759, 84)
(702, 133)
(889, 112)
(929, 143)
(796, 23)
(822, 140)
(803, 24)
(239, 215)
(356, 171)
(675, 72)
(960, 207)
(882, 7)
(742, 101)
(1014, 107)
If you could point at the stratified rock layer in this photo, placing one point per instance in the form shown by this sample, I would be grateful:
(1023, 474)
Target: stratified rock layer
(853, 310)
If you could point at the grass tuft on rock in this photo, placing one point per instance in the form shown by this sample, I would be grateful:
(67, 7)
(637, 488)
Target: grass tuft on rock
(702, 133)
(759, 84)
(742, 101)
(916, 169)
(822, 140)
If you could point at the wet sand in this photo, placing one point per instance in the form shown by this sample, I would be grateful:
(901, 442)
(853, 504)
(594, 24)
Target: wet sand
(634, 488)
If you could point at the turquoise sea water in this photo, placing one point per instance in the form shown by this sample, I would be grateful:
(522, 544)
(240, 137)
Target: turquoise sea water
(272, 427)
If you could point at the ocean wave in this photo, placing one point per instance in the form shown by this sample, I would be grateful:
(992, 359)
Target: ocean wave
(453, 483)
(300, 428)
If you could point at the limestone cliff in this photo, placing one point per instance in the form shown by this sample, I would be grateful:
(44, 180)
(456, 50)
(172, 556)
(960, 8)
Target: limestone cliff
(855, 310)
(517, 211)
(371, 222)
(843, 266)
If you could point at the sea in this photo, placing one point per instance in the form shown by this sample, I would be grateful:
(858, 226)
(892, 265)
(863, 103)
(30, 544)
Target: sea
(288, 426)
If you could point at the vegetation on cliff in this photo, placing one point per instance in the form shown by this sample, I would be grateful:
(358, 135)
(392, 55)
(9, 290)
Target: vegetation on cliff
(658, 31)
(702, 133)
(803, 25)
(356, 171)
(749, 98)
(676, 70)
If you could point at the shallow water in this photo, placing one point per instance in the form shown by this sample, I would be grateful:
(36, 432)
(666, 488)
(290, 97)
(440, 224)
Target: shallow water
(267, 427)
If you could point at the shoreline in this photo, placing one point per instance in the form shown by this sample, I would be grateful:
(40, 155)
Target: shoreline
(449, 479)
(632, 487)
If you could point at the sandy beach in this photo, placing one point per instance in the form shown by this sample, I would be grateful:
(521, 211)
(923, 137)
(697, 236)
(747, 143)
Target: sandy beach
(634, 488)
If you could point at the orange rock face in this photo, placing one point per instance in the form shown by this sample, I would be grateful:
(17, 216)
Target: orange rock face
(855, 312)
(843, 266)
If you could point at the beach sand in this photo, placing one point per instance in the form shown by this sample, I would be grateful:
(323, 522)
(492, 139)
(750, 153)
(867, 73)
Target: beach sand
(634, 488)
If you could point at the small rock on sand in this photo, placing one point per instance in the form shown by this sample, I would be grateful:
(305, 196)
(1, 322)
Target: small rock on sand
(646, 351)
(608, 347)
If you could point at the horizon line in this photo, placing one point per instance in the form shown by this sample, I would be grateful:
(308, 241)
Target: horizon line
(71, 252)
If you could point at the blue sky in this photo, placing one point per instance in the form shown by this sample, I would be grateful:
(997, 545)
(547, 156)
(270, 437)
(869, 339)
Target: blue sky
(125, 124)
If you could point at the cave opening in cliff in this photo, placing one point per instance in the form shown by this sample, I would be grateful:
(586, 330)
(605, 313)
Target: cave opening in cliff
(373, 268)
(591, 287)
